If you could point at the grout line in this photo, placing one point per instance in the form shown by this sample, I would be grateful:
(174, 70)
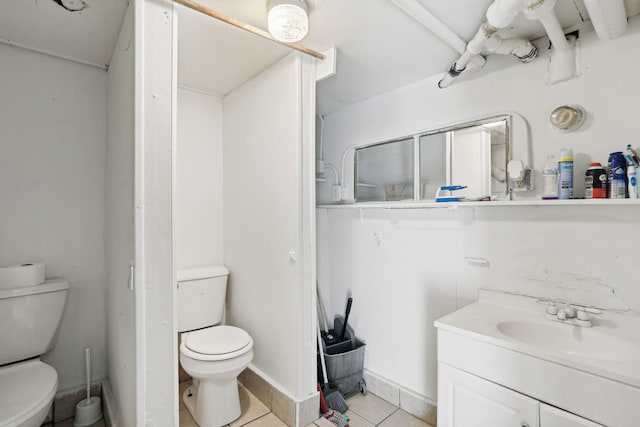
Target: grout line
(388, 416)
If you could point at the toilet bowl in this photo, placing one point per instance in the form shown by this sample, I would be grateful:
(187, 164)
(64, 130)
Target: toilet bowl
(214, 357)
(30, 317)
(212, 353)
(27, 392)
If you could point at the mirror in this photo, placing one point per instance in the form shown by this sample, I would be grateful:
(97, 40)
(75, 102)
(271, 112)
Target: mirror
(473, 155)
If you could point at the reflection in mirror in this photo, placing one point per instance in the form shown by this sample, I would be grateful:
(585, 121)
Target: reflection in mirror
(473, 154)
(433, 163)
(478, 159)
(385, 171)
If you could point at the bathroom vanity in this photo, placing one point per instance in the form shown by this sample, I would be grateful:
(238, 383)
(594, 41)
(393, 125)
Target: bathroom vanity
(503, 362)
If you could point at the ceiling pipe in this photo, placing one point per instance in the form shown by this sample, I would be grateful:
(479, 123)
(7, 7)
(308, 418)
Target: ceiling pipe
(500, 14)
(543, 11)
(609, 17)
(562, 63)
(435, 26)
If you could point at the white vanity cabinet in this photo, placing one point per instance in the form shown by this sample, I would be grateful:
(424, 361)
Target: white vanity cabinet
(465, 400)
(551, 416)
(502, 363)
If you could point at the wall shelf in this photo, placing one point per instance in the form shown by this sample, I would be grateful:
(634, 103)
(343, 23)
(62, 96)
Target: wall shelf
(410, 204)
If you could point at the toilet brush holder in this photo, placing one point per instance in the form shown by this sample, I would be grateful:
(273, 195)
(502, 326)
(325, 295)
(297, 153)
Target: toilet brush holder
(89, 410)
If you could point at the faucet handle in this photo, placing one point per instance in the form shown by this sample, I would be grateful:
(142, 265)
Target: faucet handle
(562, 315)
(552, 309)
(582, 314)
(571, 311)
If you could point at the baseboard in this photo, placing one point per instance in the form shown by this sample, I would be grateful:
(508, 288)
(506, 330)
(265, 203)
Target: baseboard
(109, 406)
(65, 401)
(293, 413)
(409, 401)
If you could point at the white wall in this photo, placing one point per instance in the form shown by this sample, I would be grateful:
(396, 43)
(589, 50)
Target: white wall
(416, 271)
(198, 195)
(121, 331)
(52, 167)
(267, 162)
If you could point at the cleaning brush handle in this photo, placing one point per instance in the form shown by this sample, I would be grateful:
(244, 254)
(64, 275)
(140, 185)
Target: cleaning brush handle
(87, 361)
(346, 318)
(325, 378)
(322, 313)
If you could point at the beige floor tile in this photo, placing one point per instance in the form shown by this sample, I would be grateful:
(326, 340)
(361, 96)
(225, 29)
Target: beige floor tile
(250, 406)
(356, 420)
(321, 422)
(268, 420)
(404, 419)
(69, 423)
(181, 388)
(370, 407)
(186, 420)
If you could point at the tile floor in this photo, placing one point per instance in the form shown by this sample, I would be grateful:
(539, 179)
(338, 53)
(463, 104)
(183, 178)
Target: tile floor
(364, 411)
(69, 423)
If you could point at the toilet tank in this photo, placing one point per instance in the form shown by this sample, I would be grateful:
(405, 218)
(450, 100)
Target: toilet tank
(201, 296)
(29, 319)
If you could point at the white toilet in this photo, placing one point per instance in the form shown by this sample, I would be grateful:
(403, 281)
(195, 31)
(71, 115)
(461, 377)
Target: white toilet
(29, 318)
(213, 354)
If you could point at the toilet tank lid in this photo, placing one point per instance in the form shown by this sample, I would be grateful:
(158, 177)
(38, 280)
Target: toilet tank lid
(52, 285)
(205, 272)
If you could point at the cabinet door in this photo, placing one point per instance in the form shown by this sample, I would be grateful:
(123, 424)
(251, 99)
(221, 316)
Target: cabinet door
(553, 417)
(465, 400)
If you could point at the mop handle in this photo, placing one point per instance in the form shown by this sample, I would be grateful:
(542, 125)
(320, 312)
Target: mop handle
(87, 357)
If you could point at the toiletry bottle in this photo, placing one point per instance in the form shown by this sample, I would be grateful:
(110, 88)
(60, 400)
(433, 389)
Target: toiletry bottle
(617, 176)
(565, 174)
(631, 180)
(632, 168)
(595, 182)
(550, 178)
(632, 156)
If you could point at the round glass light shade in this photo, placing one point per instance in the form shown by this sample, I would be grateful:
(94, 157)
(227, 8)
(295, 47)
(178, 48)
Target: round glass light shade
(567, 118)
(288, 22)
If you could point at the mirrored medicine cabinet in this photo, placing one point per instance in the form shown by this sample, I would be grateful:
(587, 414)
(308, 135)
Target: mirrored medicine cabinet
(414, 167)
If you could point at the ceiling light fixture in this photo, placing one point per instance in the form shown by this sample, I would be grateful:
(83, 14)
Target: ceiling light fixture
(288, 20)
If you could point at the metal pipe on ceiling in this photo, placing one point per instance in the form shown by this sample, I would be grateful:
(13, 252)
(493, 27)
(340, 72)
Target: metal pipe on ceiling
(246, 27)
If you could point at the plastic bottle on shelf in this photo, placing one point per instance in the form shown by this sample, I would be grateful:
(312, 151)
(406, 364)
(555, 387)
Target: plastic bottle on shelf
(633, 163)
(631, 179)
(595, 182)
(617, 176)
(565, 174)
(550, 178)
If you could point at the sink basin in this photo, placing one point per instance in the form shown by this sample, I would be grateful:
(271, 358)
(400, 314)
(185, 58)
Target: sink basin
(572, 340)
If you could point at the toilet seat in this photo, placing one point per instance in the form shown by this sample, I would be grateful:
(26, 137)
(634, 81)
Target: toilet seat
(27, 388)
(216, 343)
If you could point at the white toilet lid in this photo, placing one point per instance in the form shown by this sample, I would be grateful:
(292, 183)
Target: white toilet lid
(26, 388)
(217, 340)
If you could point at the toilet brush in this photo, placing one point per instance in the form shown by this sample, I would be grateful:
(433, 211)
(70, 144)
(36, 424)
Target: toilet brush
(89, 410)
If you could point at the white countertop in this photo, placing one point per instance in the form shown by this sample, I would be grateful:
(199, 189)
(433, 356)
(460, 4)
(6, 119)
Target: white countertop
(610, 349)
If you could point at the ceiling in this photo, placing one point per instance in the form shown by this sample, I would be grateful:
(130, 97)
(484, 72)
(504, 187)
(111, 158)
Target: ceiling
(380, 47)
